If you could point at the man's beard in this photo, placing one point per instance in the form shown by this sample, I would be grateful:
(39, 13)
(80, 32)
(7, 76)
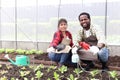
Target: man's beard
(86, 26)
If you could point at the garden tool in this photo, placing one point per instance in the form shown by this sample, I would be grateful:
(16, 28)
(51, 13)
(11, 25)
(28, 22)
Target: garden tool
(21, 60)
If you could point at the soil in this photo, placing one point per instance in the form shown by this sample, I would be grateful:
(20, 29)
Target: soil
(13, 71)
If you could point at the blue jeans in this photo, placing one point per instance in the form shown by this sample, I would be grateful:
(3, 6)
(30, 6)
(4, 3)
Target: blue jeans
(62, 58)
(59, 57)
(103, 54)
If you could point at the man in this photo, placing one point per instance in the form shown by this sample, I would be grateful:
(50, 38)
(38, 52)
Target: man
(89, 36)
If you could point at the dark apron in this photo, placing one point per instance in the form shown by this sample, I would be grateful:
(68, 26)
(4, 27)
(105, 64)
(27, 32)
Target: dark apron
(87, 54)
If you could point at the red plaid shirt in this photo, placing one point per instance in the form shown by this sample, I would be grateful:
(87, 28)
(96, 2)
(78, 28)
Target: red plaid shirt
(58, 37)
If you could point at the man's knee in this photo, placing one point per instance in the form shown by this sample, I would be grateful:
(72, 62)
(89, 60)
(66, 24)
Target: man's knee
(103, 55)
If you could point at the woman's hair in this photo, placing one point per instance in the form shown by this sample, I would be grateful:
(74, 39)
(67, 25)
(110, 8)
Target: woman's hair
(84, 13)
(62, 20)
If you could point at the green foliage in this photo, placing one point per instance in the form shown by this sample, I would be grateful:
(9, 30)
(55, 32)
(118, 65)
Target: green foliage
(2, 50)
(94, 73)
(3, 72)
(24, 73)
(39, 74)
(38, 67)
(113, 74)
(25, 78)
(39, 52)
(32, 51)
(71, 77)
(9, 66)
(9, 51)
(20, 51)
(3, 78)
(51, 67)
(77, 71)
(48, 79)
(63, 69)
(12, 79)
(0, 66)
(56, 76)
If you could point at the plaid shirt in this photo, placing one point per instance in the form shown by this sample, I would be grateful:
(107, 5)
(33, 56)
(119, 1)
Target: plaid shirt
(58, 37)
(96, 31)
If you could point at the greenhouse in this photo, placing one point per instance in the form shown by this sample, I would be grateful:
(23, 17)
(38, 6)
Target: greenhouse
(27, 28)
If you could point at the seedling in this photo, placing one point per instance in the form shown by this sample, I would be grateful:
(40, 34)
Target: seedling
(24, 73)
(20, 51)
(9, 51)
(0, 66)
(39, 74)
(113, 74)
(9, 66)
(48, 79)
(78, 71)
(3, 78)
(32, 51)
(94, 73)
(3, 72)
(12, 79)
(63, 69)
(2, 50)
(71, 77)
(56, 76)
(51, 67)
(39, 52)
(25, 78)
(39, 67)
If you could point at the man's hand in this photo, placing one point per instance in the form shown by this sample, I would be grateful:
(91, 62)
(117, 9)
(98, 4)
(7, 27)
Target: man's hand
(100, 45)
(84, 45)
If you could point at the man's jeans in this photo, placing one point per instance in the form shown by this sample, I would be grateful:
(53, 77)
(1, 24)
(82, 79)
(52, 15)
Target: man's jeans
(103, 54)
(61, 57)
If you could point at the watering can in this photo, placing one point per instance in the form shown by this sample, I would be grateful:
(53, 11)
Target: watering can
(21, 60)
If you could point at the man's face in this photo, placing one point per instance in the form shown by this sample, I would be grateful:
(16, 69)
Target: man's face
(84, 21)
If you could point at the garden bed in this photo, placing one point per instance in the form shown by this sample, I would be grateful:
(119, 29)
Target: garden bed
(48, 71)
(40, 72)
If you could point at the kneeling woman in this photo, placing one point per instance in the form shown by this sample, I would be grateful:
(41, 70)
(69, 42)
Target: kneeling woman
(61, 34)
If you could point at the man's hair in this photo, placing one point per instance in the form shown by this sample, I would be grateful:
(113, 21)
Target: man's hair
(62, 20)
(84, 13)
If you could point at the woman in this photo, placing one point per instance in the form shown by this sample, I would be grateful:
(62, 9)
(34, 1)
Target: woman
(59, 35)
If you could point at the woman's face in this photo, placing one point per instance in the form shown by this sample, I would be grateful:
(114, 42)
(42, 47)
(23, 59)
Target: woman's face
(62, 26)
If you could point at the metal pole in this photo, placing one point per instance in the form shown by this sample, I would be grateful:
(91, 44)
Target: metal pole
(82, 6)
(59, 9)
(0, 26)
(16, 23)
(37, 24)
(106, 19)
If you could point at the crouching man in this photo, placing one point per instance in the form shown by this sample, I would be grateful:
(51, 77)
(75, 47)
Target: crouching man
(91, 42)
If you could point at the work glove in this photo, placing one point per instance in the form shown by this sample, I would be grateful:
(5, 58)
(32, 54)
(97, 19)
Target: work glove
(94, 49)
(51, 49)
(84, 45)
(60, 47)
(74, 50)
